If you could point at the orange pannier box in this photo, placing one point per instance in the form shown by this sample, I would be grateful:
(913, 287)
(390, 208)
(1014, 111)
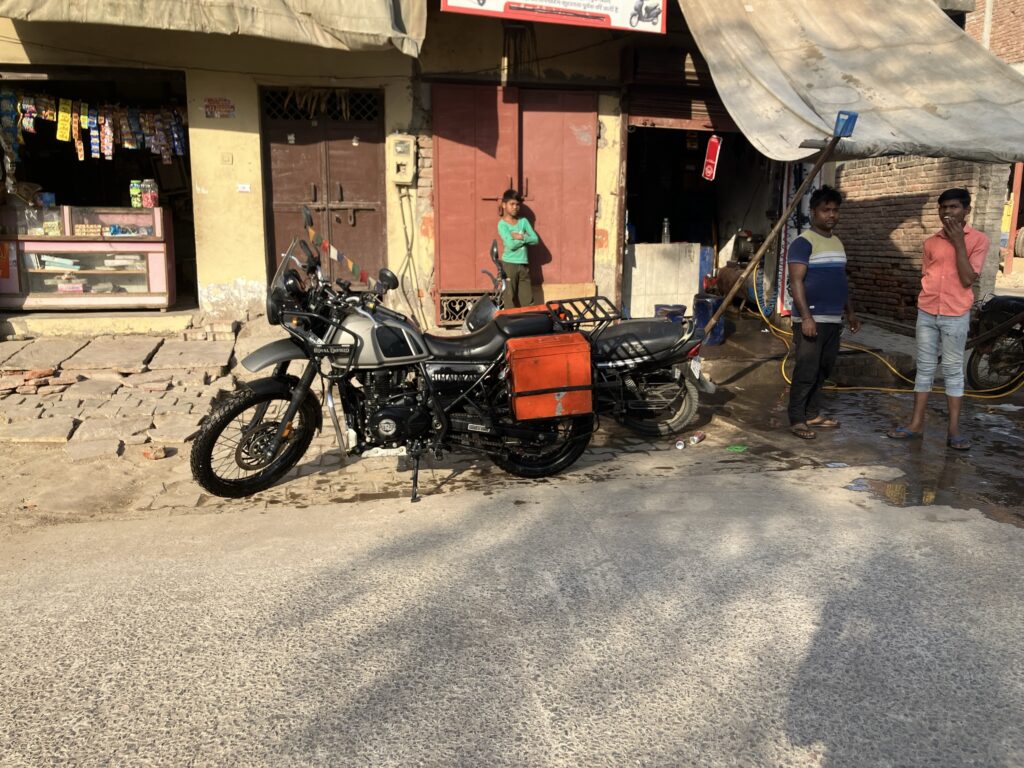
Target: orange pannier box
(550, 376)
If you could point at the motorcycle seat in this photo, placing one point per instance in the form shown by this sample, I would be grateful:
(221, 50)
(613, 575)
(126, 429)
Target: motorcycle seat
(487, 342)
(636, 339)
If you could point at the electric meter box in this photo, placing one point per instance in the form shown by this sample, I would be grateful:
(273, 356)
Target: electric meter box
(401, 151)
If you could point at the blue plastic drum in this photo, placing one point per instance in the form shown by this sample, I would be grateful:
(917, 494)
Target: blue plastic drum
(704, 306)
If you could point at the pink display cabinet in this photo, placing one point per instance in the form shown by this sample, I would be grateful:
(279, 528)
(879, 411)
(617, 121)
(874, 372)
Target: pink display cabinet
(121, 258)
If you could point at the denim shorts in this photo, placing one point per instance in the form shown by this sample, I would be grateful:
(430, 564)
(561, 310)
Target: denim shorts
(945, 335)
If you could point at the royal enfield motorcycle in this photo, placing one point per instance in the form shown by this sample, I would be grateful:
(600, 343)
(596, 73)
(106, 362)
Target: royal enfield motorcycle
(398, 387)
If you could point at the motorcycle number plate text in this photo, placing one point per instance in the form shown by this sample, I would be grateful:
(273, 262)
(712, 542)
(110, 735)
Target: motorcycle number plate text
(695, 366)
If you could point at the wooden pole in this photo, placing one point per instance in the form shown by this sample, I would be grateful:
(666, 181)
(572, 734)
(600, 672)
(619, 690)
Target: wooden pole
(826, 153)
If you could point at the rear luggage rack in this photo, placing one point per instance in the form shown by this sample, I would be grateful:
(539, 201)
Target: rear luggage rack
(592, 312)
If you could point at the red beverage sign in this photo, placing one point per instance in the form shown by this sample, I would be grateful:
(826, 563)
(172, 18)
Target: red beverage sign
(711, 158)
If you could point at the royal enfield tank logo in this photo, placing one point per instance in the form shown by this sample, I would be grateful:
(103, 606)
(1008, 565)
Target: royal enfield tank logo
(332, 349)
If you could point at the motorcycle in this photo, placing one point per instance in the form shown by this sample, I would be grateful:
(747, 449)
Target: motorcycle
(644, 13)
(398, 387)
(996, 359)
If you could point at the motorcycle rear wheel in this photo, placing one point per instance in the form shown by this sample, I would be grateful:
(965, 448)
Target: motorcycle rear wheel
(663, 406)
(227, 455)
(996, 367)
(573, 438)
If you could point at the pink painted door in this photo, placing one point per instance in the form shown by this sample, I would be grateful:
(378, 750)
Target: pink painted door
(559, 169)
(476, 132)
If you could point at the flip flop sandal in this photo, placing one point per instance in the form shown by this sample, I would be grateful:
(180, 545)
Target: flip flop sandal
(902, 433)
(958, 443)
(804, 433)
(826, 422)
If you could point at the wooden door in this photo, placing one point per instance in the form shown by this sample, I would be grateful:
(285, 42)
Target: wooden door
(559, 176)
(355, 185)
(324, 149)
(476, 131)
(293, 150)
(543, 143)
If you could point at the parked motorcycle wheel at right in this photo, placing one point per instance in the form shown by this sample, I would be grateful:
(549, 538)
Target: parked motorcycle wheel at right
(997, 366)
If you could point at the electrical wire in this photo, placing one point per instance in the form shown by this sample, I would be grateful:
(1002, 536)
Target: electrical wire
(786, 338)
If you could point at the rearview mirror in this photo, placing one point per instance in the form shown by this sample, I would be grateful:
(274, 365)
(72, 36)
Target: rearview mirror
(388, 279)
(494, 251)
(307, 217)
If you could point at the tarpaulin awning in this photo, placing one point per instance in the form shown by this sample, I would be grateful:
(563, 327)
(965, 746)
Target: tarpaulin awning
(350, 25)
(784, 68)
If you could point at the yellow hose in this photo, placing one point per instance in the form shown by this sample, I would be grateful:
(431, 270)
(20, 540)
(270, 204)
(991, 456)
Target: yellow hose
(786, 336)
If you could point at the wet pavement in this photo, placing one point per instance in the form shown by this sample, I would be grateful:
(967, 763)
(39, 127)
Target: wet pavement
(989, 477)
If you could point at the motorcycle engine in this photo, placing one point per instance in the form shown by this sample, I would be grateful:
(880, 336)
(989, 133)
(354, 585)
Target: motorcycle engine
(394, 414)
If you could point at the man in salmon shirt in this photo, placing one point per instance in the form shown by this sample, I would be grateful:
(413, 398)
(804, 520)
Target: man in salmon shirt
(953, 258)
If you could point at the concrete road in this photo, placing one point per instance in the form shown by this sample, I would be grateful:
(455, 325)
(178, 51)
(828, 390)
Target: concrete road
(658, 607)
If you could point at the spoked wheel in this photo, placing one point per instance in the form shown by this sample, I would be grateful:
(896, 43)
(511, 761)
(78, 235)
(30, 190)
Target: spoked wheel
(556, 447)
(228, 454)
(661, 404)
(998, 366)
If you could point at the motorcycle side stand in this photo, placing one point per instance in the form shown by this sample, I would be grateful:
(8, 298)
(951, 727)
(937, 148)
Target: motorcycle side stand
(415, 453)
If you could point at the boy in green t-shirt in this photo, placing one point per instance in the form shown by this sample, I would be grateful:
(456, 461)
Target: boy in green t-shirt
(516, 234)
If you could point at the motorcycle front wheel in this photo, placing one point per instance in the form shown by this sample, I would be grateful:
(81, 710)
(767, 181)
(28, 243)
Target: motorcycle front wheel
(661, 404)
(996, 367)
(558, 446)
(228, 453)
(634, 19)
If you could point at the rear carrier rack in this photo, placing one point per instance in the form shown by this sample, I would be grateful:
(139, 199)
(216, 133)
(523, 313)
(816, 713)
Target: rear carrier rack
(592, 312)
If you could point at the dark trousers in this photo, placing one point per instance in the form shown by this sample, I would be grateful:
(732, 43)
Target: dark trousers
(815, 359)
(519, 291)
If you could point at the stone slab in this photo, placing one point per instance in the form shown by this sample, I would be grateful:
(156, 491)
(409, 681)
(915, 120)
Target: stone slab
(56, 430)
(91, 450)
(119, 428)
(175, 427)
(124, 354)
(93, 388)
(212, 356)
(140, 380)
(9, 348)
(43, 353)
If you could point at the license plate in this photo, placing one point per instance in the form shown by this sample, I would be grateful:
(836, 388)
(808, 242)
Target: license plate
(695, 366)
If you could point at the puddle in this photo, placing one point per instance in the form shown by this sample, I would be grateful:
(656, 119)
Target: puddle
(904, 493)
(986, 478)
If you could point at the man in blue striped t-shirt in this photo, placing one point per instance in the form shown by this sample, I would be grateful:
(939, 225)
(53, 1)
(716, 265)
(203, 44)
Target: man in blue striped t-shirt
(817, 280)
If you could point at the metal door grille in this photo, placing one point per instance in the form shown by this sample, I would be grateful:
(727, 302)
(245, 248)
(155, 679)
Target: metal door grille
(455, 307)
(339, 104)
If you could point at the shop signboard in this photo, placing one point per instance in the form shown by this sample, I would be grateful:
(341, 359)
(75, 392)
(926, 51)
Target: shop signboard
(636, 15)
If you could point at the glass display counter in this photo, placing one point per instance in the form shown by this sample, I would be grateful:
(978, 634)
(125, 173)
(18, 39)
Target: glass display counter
(102, 257)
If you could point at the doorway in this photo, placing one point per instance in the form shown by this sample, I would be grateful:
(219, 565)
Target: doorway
(324, 149)
(541, 142)
(681, 226)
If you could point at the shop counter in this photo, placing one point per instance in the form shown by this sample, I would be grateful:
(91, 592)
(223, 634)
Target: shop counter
(87, 258)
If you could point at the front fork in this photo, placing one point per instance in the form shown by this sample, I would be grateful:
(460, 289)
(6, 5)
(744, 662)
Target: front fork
(299, 394)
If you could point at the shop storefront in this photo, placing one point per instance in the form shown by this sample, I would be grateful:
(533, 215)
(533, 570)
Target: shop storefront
(96, 199)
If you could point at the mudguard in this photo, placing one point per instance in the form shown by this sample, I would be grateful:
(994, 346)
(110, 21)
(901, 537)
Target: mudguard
(284, 386)
(275, 352)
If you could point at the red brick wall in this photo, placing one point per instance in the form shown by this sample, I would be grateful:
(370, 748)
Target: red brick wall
(888, 212)
(1006, 37)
